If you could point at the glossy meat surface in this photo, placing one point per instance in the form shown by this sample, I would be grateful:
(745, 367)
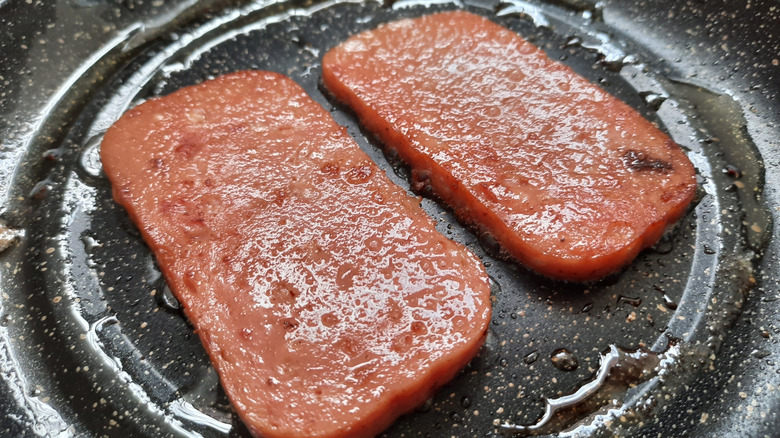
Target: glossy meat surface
(323, 294)
(570, 181)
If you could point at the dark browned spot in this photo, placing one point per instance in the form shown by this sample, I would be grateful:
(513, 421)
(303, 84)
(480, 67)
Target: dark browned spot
(191, 281)
(236, 128)
(732, 171)
(290, 324)
(640, 161)
(173, 207)
(284, 293)
(419, 328)
(421, 182)
(279, 196)
(189, 144)
(246, 333)
(330, 169)
(158, 164)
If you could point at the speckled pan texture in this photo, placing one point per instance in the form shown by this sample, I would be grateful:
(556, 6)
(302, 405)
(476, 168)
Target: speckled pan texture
(684, 342)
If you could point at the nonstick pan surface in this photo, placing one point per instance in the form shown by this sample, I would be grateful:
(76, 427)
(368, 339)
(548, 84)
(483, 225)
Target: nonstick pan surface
(681, 343)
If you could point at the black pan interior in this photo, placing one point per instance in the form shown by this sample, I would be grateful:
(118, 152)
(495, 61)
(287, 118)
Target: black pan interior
(93, 343)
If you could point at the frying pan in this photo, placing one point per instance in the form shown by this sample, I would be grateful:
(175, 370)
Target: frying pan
(684, 342)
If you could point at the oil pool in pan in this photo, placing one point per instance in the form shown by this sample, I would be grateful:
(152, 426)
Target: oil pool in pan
(94, 343)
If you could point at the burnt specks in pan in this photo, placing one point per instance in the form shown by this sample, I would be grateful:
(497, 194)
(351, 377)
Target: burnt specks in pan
(639, 161)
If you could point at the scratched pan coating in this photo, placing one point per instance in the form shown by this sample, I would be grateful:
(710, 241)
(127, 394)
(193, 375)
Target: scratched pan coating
(92, 342)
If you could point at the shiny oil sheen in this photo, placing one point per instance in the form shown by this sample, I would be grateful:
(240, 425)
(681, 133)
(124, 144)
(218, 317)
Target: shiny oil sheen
(93, 343)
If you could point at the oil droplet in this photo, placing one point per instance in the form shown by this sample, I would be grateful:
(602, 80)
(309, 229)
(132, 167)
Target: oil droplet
(725, 121)
(54, 154)
(586, 308)
(495, 286)
(668, 301)
(760, 354)
(489, 243)
(732, 171)
(465, 402)
(90, 158)
(628, 300)
(572, 42)
(456, 417)
(41, 189)
(652, 100)
(168, 300)
(564, 360)
(90, 243)
(619, 370)
(153, 273)
(398, 166)
(531, 357)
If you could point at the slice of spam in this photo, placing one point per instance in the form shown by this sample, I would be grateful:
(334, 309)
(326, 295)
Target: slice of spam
(326, 299)
(569, 180)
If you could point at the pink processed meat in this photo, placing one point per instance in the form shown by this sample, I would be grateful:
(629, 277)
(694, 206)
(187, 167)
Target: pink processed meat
(569, 180)
(326, 299)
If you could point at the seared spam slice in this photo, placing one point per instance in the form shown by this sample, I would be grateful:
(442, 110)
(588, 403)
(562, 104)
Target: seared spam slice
(326, 299)
(570, 181)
